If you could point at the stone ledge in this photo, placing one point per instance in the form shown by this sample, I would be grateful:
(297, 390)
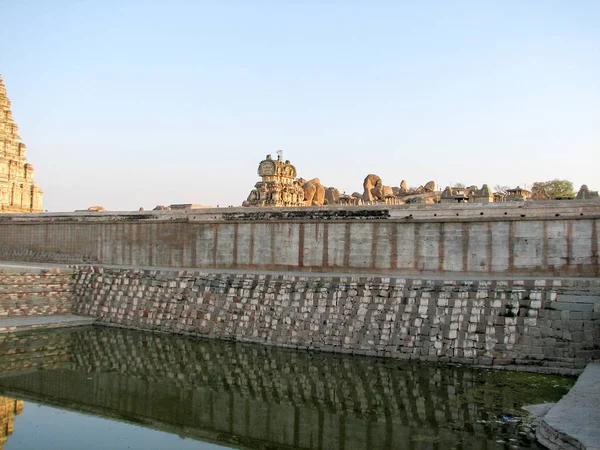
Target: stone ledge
(29, 323)
(574, 422)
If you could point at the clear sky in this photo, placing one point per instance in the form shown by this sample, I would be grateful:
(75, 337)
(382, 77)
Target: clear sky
(129, 103)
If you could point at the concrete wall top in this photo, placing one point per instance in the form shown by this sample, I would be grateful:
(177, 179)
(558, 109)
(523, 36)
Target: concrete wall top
(527, 210)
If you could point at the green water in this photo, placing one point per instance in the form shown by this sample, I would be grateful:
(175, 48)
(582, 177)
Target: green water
(111, 388)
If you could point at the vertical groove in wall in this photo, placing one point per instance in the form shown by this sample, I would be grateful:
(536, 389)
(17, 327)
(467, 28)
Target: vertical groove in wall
(569, 244)
(127, 251)
(123, 242)
(117, 243)
(301, 245)
(112, 244)
(489, 246)
(100, 244)
(394, 247)
(135, 239)
(132, 232)
(215, 243)
(347, 246)
(374, 240)
(251, 250)
(511, 245)
(465, 246)
(416, 233)
(183, 240)
(194, 244)
(325, 245)
(234, 261)
(545, 244)
(108, 255)
(152, 244)
(441, 243)
(595, 257)
(271, 228)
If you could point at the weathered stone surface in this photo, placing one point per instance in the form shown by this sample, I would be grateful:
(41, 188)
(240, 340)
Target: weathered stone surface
(508, 239)
(572, 423)
(314, 193)
(465, 321)
(585, 193)
(278, 186)
(18, 192)
(429, 186)
(332, 195)
(35, 292)
(374, 188)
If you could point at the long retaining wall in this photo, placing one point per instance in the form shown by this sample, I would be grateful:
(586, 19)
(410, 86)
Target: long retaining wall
(514, 238)
(550, 325)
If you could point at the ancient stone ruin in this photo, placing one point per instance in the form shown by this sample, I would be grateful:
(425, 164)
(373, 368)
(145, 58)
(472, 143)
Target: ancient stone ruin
(278, 187)
(18, 192)
(585, 194)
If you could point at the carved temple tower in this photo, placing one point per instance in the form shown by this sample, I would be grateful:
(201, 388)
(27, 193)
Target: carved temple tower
(278, 186)
(18, 192)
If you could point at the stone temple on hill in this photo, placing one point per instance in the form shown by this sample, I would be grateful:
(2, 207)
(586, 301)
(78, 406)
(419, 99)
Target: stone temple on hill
(18, 192)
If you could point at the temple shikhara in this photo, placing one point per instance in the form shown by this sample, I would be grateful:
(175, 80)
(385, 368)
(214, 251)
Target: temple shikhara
(18, 192)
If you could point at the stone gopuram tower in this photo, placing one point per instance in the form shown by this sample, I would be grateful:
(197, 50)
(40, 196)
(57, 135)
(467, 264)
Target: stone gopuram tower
(18, 192)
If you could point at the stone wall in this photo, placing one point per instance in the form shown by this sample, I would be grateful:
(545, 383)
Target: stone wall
(35, 292)
(517, 238)
(550, 324)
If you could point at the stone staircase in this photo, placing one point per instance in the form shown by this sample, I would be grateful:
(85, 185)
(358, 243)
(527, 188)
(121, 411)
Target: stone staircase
(34, 291)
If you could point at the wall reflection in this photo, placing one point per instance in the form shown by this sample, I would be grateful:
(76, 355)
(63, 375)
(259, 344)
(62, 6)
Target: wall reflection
(255, 396)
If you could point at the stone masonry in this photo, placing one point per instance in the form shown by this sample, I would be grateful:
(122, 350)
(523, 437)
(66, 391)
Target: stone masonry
(37, 292)
(18, 192)
(551, 325)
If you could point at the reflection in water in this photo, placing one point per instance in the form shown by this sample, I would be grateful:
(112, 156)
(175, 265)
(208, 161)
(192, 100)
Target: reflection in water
(9, 408)
(260, 397)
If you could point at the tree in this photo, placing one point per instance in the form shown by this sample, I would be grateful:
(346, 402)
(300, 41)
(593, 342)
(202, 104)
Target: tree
(550, 190)
(501, 188)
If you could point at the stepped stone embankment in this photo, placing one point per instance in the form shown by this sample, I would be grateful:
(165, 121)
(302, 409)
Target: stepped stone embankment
(35, 291)
(548, 325)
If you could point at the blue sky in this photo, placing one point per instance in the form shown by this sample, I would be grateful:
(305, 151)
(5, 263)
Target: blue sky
(135, 103)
